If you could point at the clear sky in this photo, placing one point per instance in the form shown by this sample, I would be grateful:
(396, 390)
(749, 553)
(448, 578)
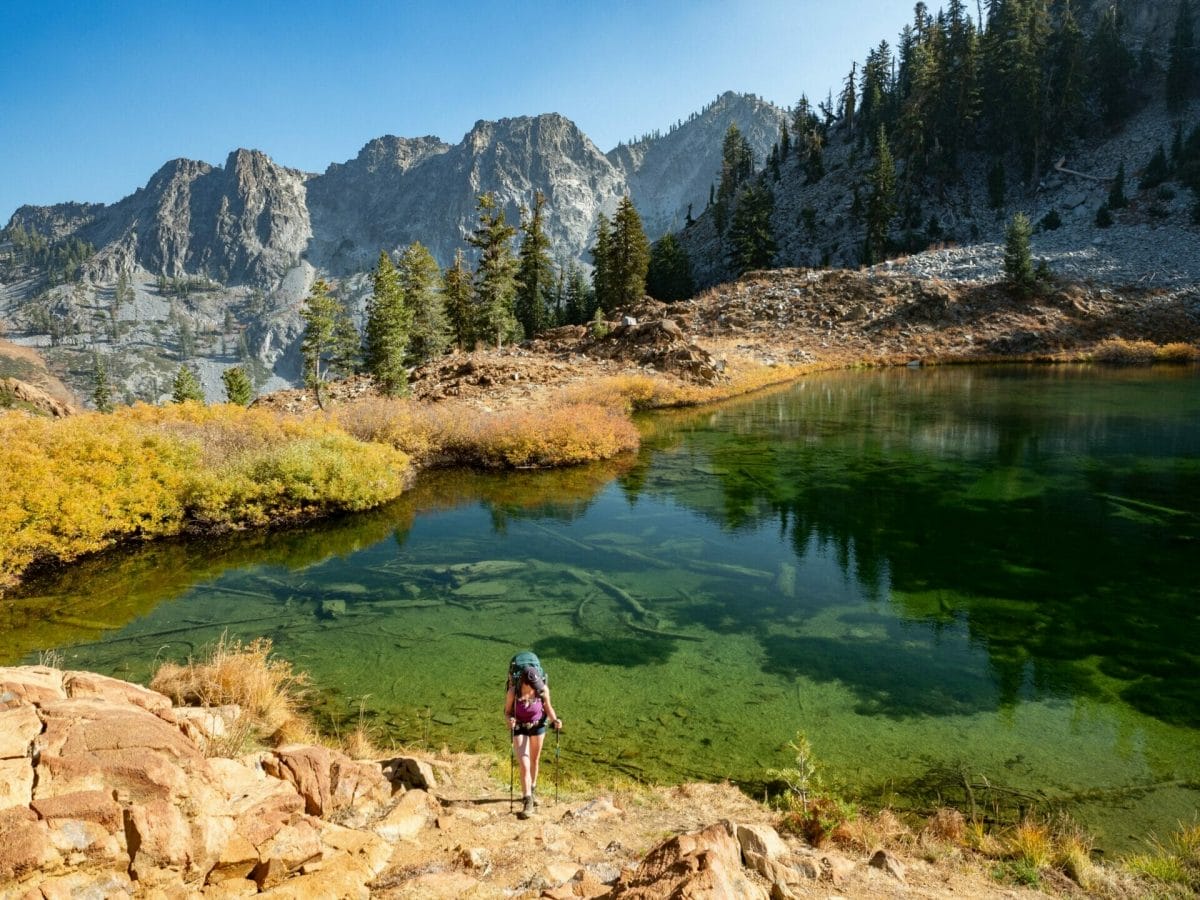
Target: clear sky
(95, 95)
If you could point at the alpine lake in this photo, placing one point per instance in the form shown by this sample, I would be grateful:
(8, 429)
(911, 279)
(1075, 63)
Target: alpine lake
(971, 586)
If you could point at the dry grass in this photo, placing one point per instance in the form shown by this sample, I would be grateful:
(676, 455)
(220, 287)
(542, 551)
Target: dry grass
(869, 832)
(555, 434)
(1120, 352)
(266, 689)
(1174, 864)
(947, 825)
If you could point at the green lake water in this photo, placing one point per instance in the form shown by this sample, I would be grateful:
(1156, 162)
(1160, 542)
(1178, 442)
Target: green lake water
(942, 577)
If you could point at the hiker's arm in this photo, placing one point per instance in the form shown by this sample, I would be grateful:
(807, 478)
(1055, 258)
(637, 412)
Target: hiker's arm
(550, 708)
(508, 709)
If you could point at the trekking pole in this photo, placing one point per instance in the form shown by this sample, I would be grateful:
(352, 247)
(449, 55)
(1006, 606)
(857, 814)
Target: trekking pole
(512, 762)
(557, 744)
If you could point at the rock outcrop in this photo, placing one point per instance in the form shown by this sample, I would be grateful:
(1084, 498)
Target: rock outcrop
(104, 793)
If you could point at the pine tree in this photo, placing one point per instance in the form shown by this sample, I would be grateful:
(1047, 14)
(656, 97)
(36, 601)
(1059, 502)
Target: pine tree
(847, 100)
(1114, 66)
(602, 263)
(496, 271)
(1018, 258)
(186, 388)
(421, 284)
(580, 300)
(881, 208)
(535, 273)
(751, 237)
(101, 387)
(459, 291)
(387, 329)
(1181, 70)
(737, 165)
(238, 389)
(1157, 170)
(669, 276)
(629, 256)
(324, 336)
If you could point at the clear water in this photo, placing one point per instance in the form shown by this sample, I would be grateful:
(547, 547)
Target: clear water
(980, 576)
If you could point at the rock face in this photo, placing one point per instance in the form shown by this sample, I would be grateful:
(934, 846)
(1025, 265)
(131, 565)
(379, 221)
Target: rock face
(668, 174)
(251, 220)
(104, 794)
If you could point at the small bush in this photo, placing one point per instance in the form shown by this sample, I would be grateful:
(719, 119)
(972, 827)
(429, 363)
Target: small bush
(1120, 352)
(1051, 221)
(1104, 217)
(266, 689)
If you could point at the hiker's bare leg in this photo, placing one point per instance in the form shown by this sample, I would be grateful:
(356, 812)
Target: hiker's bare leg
(521, 747)
(535, 755)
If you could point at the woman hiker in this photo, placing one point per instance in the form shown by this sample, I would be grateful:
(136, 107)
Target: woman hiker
(528, 709)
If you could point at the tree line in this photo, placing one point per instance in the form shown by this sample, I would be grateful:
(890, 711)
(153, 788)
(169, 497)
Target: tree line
(1016, 91)
(417, 312)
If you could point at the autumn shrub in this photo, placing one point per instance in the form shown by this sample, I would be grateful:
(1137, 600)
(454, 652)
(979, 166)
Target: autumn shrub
(79, 485)
(556, 434)
(1177, 352)
(266, 688)
(1120, 352)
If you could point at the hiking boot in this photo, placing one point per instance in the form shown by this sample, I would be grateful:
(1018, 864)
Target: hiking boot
(526, 807)
(533, 795)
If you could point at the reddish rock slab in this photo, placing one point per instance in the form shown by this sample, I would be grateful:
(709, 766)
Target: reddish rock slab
(84, 806)
(30, 684)
(90, 685)
(18, 727)
(26, 848)
(704, 864)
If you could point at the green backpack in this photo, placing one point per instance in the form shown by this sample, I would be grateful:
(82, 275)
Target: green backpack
(517, 666)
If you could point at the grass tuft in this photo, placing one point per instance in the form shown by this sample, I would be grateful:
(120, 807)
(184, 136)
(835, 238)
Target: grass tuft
(268, 691)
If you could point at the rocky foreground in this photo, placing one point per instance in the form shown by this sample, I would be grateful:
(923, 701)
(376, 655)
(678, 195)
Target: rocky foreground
(107, 790)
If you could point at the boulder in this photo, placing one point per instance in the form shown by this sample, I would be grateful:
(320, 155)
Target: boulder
(888, 863)
(30, 684)
(701, 864)
(110, 885)
(26, 849)
(18, 727)
(101, 687)
(160, 842)
(406, 818)
(412, 773)
(16, 783)
(308, 769)
(763, 840)
(288, 849)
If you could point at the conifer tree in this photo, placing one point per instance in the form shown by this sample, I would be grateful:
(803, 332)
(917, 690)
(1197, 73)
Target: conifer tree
(325, 334)
(186, 387)
(496, 271)
(751, 237)
(669, 276)
(1181, 69)
(238, 389)
(421, 284)
(580, 301)
(601, 263)
(459, 290)
(1114, 65)
(386, 333)
(535, 274)
(848, 99)
(101, 387)
(881, 208)
(629, 256)
(737, 165)
(1018, 258)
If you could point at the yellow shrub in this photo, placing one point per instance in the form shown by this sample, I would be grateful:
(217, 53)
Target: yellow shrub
(1177, 352)
(1120, 352)
(78, 485)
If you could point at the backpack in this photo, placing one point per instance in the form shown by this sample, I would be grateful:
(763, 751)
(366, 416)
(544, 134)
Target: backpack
(517, 666)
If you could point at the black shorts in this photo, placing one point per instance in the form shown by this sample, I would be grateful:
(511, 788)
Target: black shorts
(531, 729)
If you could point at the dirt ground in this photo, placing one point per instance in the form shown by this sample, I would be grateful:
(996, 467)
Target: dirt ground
(475, 847)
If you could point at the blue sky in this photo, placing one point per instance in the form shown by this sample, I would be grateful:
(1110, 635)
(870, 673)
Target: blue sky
(95, 95)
